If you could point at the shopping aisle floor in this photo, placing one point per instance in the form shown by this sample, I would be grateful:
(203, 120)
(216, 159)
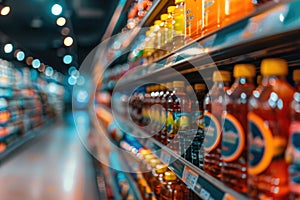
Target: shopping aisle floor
(52, 166)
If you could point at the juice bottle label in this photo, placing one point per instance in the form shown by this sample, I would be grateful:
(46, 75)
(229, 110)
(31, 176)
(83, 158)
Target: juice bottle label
(212, 132)
(260, 144)
(233, 140)
(170, 121)
(294, 169)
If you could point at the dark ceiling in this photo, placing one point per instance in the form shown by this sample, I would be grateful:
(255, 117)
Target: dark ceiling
(31, 26)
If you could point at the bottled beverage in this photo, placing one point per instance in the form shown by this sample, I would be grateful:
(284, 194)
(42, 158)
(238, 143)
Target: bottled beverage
(179, 24)
(212, 15)
(268, 123)
(198, 119)
(146, 108)
(258, 80)
(172, 189)
(157, 179)
(167, 121)
(293, 153)
(296, 79)
(153, 110)
(193, 19)
(236, 9)
(150, 165)
(158, 41)
(170, 26)
(164, 32)
(234, 133)
(177, 114)
(213, 108)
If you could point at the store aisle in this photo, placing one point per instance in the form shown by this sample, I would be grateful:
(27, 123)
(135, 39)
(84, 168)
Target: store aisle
(55, 165)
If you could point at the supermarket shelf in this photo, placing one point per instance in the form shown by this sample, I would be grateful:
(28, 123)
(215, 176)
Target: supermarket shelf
(271, 30)
(6, 137)
(202, 184)
(22, 140)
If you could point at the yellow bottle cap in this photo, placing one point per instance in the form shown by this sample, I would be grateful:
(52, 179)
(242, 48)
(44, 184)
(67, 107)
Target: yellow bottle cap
(154, 162)
(179, 1)
(200, 86)
(157, 22)
(149, 157)
(244, 70)
(274, 66)
(171, 9)
(164, 17)
(170, 176)
(296, 75)
(178, 84)
(145, 152)
(161, 168)
(221, 76)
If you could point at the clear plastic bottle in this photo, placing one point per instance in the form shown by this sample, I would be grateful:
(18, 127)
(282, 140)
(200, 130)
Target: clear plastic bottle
(171, 189)
(164, 102)
(213, 109)
(170, 26)
(179, 24)
(296, 79)
(268, 123)
(157, 179)
(197, 148)
(164, 32)
(158, 40)
(293, 151)
(177, 114)
(234, 135)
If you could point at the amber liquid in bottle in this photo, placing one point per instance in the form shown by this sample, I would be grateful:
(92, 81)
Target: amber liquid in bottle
(234, 135)
(268, 123)
(157, 179)
(213, 109)
(171, 189)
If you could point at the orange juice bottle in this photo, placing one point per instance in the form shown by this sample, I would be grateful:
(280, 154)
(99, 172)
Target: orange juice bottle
(236, 9)
(193, 19)
(179, 24)
(172, 188)
(212, 15)
(213, 108)
(296, 79)
(293, 152)
(234, 135)
(268, 124)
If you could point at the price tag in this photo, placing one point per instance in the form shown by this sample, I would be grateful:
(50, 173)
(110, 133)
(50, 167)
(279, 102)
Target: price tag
(165, 157)
(204, 194)
(189, 177)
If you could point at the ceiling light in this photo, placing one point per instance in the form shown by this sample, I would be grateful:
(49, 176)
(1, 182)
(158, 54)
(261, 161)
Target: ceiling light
(56, 9)
(5, 10)
(36, 63)
(61, 21)
(20, 56)
(8, 48)
(67, 59)
(68, 41)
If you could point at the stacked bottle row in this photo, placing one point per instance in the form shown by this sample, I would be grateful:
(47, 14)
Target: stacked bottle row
(188, 20)
(240, 134)
(155, 181)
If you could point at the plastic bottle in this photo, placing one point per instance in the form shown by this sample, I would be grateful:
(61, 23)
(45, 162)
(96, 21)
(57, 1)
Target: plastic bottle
(157, 106)
(197, 148)
(212, 15)
(213, 108)
(153, 110)
(172, 189)
(234, 135)
(293, 151)
(167, 121)
(146, 109)
(170, 26)
(177, 112)
(164, 32)
(236, 9)
(193, 19)
(151, 164)
(157, 179)
(296, 79)
(158, 41)
(268, 123)
(179, 24)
